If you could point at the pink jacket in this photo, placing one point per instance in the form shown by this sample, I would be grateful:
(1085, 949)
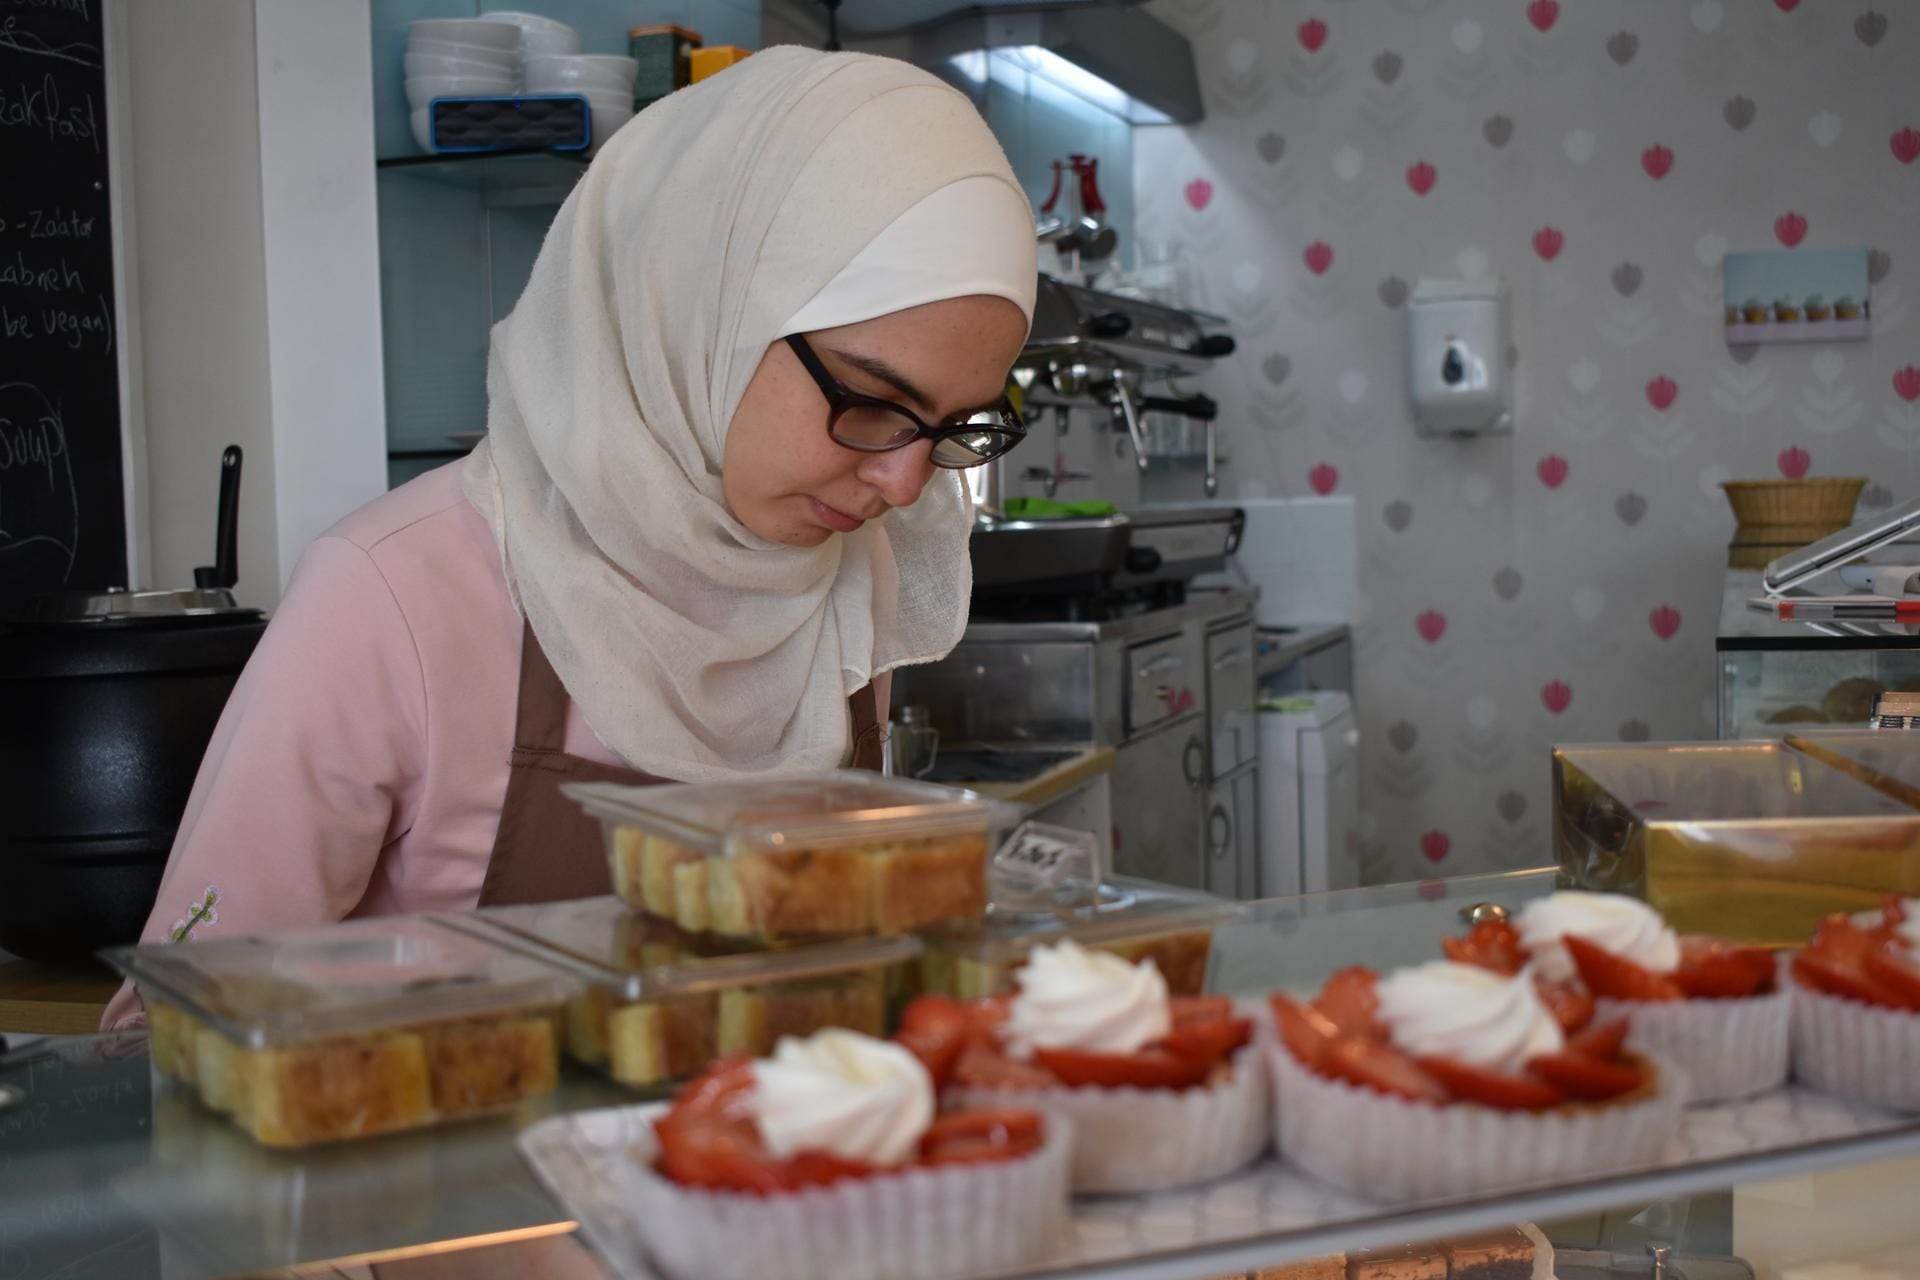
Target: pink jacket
(359, 766)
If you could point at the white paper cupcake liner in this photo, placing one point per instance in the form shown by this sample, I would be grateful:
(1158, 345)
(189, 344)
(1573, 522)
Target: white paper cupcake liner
(920, 1224)
(1856, 1050)
(1389, 1148)
(1728, 1048)
(1129, 1140)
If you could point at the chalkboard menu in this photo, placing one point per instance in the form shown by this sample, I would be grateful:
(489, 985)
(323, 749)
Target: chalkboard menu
(62, 512)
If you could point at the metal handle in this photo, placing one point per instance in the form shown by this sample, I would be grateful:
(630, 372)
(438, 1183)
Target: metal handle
(1219, 832)
(1165, 662)
(1123, 406)
(225, 569)
(1231, 657)
(1211, 483)
(1193, 762)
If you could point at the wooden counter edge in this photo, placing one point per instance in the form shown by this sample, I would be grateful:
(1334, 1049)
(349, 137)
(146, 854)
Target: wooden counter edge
(54, 999)
(1066, 776)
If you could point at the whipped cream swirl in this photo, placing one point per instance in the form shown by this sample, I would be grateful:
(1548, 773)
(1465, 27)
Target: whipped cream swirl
(1469, 1014)
(1908, 930)
(1072, 998)
(1624, 926)
(843, 1093)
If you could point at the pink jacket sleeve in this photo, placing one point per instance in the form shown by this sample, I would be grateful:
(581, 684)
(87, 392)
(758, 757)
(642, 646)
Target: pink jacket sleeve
(315, 766)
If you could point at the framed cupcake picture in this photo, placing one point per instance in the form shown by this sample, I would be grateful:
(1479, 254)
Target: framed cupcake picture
(1800, 295)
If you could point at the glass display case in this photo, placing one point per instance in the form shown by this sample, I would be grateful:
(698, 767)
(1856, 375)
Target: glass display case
(106, 1169)
(1776, 677)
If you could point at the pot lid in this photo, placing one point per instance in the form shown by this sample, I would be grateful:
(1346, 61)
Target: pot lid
(117, 604)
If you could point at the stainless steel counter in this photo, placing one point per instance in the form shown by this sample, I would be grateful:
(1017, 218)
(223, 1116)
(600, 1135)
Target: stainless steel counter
(1200, 604)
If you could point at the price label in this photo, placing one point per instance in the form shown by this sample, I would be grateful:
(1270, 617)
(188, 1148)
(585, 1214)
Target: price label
(1040, 860)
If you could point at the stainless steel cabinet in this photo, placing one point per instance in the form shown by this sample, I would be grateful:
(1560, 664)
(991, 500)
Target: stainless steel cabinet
(1233, 834)
(1162, 778)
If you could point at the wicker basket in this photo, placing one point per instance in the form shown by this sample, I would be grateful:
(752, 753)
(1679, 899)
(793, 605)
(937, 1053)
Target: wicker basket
(1827, 500)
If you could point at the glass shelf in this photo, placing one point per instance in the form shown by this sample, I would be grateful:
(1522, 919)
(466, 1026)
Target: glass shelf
(94, 1148)
(501, 177)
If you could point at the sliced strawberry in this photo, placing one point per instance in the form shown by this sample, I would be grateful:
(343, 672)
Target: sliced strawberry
(935, 1029)
(1842, 941)
(971, 1137)
(819, 1169)
(1571, 1007)
(1189, 1009)
(1602, 1040)
(1895, 977)
(1468, 1083)
(981, 1066)
(1615, 977)
(1712, 970)
(1373, 1065)
(1351, 1000)
(1842, 976)
(1490, 944)
(1308, 1033)
(1893, 911)
(1149, 1068)
(1210, 1041)
(1581, 1076)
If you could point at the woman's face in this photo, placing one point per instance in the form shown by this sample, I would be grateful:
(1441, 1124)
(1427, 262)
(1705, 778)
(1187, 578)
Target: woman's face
(784, 477)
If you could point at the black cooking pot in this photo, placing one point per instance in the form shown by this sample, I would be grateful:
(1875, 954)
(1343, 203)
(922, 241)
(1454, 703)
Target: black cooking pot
(111, 698)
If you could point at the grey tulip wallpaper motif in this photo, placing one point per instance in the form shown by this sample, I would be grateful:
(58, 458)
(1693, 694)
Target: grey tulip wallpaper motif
(1561, 584)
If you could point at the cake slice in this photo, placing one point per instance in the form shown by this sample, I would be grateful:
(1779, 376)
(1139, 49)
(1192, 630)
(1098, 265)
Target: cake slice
(752, 1019)
(1505, 1254)
(923, 882)
(335, 1089)
(653, 1041)
(170, 1041)
(1331, 1267)
(785, 893)
(1404, 1262)
(483, 1066)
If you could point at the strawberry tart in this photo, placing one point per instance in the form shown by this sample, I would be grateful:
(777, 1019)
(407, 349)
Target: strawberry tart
(1856, 1007)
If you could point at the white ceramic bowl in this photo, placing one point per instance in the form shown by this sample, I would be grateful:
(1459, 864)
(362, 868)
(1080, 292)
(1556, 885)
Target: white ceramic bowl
(422, 119)
(538, 34)
(421, 65)
(502, 59)
(556, 73)
(606, 115)
(425, 89)
(503, 36)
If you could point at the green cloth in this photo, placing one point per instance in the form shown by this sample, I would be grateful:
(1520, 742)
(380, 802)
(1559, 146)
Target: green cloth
(1048, 509)
(1292, 702)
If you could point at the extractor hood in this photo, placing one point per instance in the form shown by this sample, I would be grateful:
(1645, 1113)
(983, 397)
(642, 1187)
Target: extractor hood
(1116, 57)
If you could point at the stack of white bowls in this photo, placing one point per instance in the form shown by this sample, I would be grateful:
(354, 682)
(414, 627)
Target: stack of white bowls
(605, 82)
(458, 58)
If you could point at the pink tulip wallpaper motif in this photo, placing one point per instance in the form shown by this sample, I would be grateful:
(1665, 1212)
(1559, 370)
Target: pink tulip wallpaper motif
(1561, 584)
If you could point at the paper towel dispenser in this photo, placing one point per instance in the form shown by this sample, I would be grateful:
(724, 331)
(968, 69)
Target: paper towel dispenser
(1457, 374)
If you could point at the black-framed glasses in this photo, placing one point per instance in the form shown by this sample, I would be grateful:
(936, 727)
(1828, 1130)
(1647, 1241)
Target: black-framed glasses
(872, 425)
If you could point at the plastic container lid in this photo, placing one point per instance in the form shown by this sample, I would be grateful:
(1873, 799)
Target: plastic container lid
(1737, 783)
(593, 939)
(795, 811)
(1886, 759)
(348, 979)
(1126, 909)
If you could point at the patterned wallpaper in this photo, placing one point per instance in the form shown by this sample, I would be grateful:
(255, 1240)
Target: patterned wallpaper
(1561, 584)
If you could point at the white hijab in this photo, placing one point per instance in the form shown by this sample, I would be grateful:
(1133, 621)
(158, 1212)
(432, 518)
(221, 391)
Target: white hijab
(695, 649)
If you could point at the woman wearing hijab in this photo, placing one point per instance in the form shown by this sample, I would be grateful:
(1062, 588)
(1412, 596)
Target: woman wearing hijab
(719, 499)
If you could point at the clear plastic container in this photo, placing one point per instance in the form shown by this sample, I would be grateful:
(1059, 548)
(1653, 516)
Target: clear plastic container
(657, 1005)
(835, 855)
(1750, 841)
(366, 1027)
(1134, 919)
(1888, 760)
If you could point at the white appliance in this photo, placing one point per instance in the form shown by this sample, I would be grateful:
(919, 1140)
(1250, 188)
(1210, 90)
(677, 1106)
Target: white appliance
(1310, 795)
(1303, 554)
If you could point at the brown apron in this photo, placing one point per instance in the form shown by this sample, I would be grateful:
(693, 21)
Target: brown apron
(547, 848)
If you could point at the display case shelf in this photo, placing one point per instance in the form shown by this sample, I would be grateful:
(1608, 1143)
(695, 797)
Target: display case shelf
(502, 178)
(93, 1147)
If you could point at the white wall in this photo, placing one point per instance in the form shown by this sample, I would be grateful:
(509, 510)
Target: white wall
(201, 267)
(254, 261)
(322, 263)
